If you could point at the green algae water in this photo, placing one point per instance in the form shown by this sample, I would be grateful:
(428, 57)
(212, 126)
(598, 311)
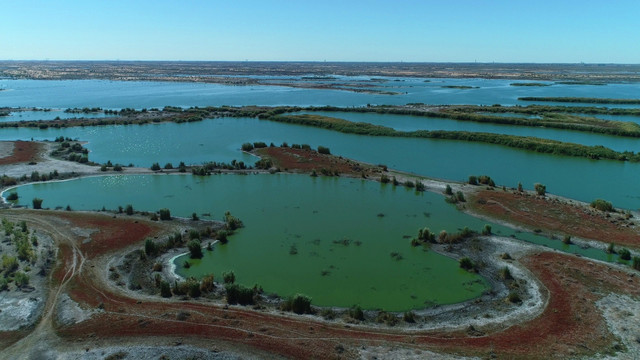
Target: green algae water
(341, 241)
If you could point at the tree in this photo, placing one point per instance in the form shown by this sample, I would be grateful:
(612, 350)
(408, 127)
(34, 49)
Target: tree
(486, 230)
(37, 203)
(165, 289)
(195, 249)
(540, 189)
(228, 277)
(150, 247)
(473, 180)
(324, 150)
(129, 209)
(165, 214)
(519, 187)
(466, 263)
(602, 205)
(301, 304)
(448, 190)
(155, 167)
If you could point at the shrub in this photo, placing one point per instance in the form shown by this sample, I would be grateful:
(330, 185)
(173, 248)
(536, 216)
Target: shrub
(150, 247)
(383, 179)
(165, 289)
(409, 184)
(117, 167)
(301, 304)
(129, 209)
(37, 203)
(229, 277)
(473, 180)
(247, 147)
(448, 190)
(420, 186)
(195, 249)
(12, 196)
(566, 239)
(168, 166)
(409, 317)
(9, 263)
(155, 167)
(505, 273)
(356, 313)
(324, 150)
(194, 217)
(625, 254)
(443, 236)
(259, 144)
(460, 196)
(466, 263)
(21, 279)
(486, 230)
(513, 297)
(636, 263)
(165, 214)
(193, 288)
(238, 294)
(540, 189)
(611, 249)
(602, 205)
(520, 187)
(394, 181)
(206, 284)
(4, 284)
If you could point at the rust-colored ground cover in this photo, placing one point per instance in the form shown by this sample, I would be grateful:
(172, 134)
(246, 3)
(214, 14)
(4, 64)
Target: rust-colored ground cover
(307, 160)
(23, 151)
(555, 216)
(110, 233)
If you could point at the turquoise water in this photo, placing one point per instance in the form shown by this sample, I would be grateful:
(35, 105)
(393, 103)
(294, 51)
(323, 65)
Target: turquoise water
(412, 123)
(141, 94)
(344, 228)
(48, 115)
(221, 139)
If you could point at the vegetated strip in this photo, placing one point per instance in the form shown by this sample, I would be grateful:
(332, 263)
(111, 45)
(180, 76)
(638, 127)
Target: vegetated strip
(583, 100)
(527, 143)
(551, 117)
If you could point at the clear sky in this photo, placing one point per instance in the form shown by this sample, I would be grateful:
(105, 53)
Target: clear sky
(567, 31)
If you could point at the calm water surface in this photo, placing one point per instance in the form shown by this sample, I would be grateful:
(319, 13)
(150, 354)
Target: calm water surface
(343, 233)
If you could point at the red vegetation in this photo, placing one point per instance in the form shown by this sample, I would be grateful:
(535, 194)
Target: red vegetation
(554, 215)
(23, 151)
(302, 160)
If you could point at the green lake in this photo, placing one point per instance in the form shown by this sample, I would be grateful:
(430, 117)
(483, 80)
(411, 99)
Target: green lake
(330, 238)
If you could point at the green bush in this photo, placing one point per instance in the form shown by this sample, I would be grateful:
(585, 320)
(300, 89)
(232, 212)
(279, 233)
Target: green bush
(448, 190)
(473, 180)
(602, 205)
(486, 230)
(460, 196)
(165, 289)
(247, 147)
(505, 273)
(356, 313)
(155, 167)
(168, 166)
(37, 203)
(384, 179)
(624, 254)
(409, 184)
(513, 297)
(12, 196)
(540, 189)
(150, 247)
(238, 294)
(129, 209)
(324, 150)
(636, 263)
(21, 279)
(165, 214)
(466, 263)
(229, 277)
(301, 304)
(195, 249)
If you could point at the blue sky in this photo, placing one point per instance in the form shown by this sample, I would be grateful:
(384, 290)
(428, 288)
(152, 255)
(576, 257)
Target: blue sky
(301, 30)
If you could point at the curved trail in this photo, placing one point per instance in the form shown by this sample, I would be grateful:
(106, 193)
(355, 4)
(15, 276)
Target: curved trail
(44, 330)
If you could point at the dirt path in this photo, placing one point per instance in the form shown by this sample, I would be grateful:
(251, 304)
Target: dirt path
(43, 333)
